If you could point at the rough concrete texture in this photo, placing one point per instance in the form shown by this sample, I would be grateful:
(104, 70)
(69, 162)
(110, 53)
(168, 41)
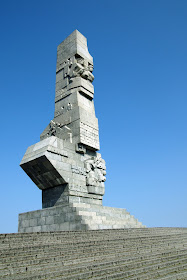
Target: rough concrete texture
(133, 254)
(65, 164)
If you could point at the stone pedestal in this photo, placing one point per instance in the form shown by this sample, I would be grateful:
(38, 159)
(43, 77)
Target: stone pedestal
(76, 216)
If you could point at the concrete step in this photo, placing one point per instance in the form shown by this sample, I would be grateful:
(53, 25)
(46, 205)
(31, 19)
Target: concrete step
(71, 234)
(97, 246)
(74, 257)
(128, 233)
(87, 257)
(110, 271)
(98, 263)
(114, 272)
(116, 254)
(172, 273)
(77, 268)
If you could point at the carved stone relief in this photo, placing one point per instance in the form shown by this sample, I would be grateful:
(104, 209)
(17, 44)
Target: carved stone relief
(75, 66)
(95, 174)
(53, 126)
(81, 68)
(78, 170)
(55, 129)
(79, 148)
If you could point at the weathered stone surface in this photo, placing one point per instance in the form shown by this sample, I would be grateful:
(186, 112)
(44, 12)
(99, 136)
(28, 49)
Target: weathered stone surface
(146, 253)
(65, 164)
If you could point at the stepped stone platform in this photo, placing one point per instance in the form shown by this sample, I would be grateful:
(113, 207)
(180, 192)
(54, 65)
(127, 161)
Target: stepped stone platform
(76, 216)
(133, 254)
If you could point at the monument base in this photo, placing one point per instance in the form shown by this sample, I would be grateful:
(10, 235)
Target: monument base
(76, 216)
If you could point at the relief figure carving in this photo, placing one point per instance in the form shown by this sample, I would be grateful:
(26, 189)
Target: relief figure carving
(53, 128)
(56, 129)
(95, 174)
(77, 66)
(82, 68)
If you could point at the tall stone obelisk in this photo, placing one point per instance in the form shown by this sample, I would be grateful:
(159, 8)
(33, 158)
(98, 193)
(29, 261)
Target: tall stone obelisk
(65, 164)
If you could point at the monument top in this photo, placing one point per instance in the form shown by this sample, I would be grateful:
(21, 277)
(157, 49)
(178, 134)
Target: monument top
(74, 44)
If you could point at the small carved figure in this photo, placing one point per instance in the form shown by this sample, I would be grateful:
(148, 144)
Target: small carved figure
(53, 128)
(79, 148)
(69, 107)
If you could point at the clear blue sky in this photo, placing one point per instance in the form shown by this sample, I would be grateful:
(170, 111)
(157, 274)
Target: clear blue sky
(140, 68)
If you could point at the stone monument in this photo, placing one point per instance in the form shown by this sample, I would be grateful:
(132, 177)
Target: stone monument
(65, 164)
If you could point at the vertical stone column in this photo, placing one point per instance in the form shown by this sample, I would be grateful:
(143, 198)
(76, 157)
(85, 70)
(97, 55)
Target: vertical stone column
(65, 164)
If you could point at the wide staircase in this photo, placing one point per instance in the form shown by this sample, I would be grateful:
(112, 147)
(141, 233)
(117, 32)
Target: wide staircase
(136, 254)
